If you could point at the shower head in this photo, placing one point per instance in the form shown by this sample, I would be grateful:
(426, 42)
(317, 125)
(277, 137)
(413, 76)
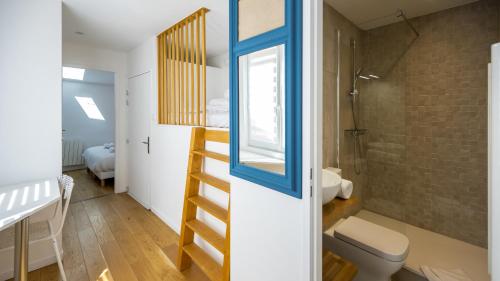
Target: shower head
(357, 75)
(359, 71)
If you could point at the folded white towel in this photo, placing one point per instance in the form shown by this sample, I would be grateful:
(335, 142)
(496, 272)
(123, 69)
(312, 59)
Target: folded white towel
(217, 108)
(226, 93)
(345, 189)
(434, 274)
(222, 102)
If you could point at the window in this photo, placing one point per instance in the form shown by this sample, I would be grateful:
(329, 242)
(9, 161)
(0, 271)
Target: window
(266, 94)
(90, 108)
(262, 91)
(73, 73)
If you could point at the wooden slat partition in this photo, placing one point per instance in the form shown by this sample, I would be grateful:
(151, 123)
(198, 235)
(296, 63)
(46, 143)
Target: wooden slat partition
(182, 60)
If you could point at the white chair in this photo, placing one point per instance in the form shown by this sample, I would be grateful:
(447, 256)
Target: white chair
(66, 185)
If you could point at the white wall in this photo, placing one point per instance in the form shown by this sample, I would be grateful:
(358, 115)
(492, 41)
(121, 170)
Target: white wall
(113, 61)
(30, 104)
(75, 122)
(30, 90)
(221, 62)
(270, 231)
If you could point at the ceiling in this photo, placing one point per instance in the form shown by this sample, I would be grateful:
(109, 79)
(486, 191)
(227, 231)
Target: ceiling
(368, 14)
(124, 24)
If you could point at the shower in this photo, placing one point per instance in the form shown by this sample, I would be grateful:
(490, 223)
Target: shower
(356, 132)
(357, 74)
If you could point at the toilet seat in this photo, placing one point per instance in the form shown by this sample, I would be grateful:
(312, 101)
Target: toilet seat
(380, 241)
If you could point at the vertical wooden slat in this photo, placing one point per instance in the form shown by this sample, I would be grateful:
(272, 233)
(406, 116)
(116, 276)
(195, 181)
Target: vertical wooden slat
(166, 91)
(172, 80)
(182, 74)
(174, 75)
(186, 63)
(178, 79)
(164, 71)
(192, 72)
(164, 79)
(167, 80)
(198, 70)
(172, 94)
(204, 69)
(176, 62)
(160, 77)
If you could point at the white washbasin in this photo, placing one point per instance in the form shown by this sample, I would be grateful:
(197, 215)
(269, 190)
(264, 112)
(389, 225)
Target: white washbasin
(331, 185)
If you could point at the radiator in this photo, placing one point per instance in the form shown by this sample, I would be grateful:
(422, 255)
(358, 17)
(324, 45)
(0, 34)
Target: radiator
(72, 153)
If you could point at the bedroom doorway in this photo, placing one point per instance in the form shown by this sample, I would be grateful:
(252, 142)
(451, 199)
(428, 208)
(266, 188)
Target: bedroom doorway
(139, 109)
(88, 130)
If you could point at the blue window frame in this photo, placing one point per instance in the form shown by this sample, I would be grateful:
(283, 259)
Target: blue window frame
(289, 35)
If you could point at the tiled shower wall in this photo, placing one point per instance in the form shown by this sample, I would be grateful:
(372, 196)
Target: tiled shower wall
(426, 149)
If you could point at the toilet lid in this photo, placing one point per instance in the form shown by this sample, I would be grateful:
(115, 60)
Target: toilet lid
(378, 240)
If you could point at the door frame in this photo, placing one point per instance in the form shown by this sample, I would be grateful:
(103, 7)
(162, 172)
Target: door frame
(317, 117)
(312, 98)
(118, 132)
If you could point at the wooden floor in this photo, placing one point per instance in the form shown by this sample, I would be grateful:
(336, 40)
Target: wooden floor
(88, 187)
(113, 237)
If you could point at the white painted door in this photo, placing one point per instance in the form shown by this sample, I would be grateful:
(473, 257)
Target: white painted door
(139, 96)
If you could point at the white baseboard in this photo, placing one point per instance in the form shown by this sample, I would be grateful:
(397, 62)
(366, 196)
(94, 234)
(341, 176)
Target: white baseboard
(140, 202)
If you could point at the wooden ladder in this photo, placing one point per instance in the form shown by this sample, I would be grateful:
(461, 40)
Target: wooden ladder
(188, 250)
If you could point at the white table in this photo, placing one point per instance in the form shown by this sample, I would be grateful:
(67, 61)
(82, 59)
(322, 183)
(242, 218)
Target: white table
(17, 203)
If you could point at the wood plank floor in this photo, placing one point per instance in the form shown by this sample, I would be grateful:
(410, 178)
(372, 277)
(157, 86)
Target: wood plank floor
(113, 237)
(88, 187)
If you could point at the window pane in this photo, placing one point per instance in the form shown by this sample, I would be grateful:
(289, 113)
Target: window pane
(263, 98)
(90, 108)
(259, 16)
(261, 109)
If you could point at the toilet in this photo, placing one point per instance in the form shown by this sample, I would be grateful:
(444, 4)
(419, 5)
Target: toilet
(378, 252)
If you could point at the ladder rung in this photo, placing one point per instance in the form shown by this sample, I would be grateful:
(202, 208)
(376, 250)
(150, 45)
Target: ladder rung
(213, 181)
(217, 136)
(210, 207)
(207, 264)
(208, 234)
(213, 155)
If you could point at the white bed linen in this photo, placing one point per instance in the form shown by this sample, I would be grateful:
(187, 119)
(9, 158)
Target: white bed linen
(99, 159)
(218, 119)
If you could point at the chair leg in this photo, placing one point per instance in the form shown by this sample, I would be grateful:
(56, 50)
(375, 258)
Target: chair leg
(59, 261)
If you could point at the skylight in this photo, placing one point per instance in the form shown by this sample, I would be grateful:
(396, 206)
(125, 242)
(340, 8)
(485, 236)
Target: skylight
(88, 105)
(73, 73)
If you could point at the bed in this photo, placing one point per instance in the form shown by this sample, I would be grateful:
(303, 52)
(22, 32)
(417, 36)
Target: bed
(218, 113)
(100, 160)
